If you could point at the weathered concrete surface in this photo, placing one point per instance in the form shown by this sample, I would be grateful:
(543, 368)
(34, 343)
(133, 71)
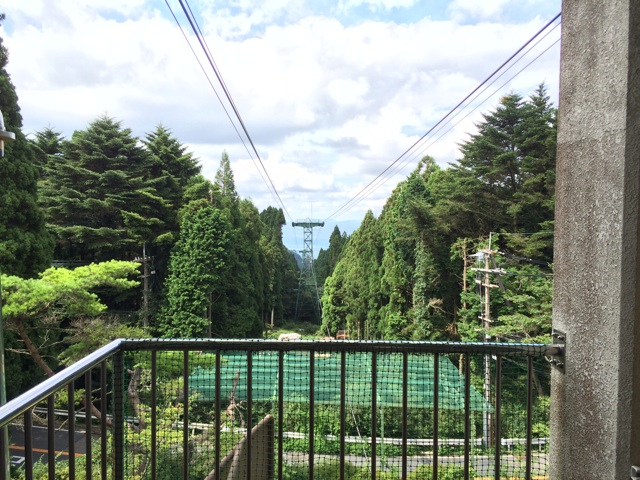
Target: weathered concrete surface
(595, 417)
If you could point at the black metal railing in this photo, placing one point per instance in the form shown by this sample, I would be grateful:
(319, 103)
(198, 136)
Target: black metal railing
(315, 409)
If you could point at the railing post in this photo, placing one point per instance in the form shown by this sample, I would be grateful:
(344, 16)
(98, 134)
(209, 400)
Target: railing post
(436, 412)
(405, 392)
(154, 414)
(280, 412)
(118, 416)
(103, 419)
(185, 415)
(343, 410)
(374, 413)
(498, 418)
(312, 406)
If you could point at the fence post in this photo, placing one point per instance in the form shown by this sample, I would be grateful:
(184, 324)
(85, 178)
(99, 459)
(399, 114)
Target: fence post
(118, 415)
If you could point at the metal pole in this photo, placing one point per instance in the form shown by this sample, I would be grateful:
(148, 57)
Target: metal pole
(4, 434)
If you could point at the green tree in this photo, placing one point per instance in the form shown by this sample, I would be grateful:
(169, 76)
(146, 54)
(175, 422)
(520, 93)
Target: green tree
(42, 315)
(171, 170)
(351, 298)
(238, 306)
(100, 199)
(199, 262)
(47, 143)
(275, 265)
(513, 157)
(26, 247)
(328, 259)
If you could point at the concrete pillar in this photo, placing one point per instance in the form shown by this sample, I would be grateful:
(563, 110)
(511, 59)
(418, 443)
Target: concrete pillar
(595, 410)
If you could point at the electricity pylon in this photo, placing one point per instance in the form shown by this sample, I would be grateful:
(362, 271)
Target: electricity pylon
(308, 286)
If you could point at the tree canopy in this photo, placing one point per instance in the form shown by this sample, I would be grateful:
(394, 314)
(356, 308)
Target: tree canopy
(400, 276)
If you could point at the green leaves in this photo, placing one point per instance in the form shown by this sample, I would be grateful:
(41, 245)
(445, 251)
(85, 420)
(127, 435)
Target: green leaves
(63, 293)
(400, 280)
(198, 261)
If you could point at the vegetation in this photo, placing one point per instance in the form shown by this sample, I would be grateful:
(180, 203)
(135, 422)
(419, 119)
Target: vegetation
(220, 268)
(25, 245)
(400, 276)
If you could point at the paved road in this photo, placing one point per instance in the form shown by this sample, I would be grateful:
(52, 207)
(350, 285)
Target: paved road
(41, 444)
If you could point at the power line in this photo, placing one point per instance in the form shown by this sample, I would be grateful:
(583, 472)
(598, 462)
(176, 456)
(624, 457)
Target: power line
(384, 179)
(428, 145)
(207, 52)
(348, 205)
(186, 8)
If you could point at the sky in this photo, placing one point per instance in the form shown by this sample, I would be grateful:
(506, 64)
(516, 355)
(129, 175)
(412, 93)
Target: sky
(332, 92)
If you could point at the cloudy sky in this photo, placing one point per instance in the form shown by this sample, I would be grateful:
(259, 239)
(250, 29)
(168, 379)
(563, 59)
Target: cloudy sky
(332, 92)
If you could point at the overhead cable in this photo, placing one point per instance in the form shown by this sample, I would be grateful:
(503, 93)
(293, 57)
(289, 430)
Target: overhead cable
(355, 199)
(196, 30)
(186, 8)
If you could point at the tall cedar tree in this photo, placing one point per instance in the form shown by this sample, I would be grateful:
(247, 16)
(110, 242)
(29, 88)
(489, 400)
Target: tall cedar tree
(26, 247)
(278, 298)
(351, 297)
(101, 201)
(238, 306)
(328, 259)
(199, 260)
(172, 170)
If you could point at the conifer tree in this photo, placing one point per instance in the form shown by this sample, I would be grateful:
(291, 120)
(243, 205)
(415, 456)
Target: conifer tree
(25, 245)
(238, 306)
(101, 202)
(197, 267)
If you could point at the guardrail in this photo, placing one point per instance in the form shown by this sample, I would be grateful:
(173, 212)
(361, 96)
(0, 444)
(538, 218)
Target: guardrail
(373, 391)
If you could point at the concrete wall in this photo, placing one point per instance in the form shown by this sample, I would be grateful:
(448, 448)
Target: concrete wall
(595, 416)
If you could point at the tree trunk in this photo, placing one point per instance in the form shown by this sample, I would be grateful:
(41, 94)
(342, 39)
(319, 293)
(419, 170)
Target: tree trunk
(35, 354)
(33, 350)
(135, 398)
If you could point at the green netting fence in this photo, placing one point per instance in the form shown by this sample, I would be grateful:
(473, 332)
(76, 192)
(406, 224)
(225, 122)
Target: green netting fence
(325, 416)
(327, 381)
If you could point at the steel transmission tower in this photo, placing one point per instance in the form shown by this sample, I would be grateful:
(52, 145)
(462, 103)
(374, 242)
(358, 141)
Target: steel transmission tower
(308, 286)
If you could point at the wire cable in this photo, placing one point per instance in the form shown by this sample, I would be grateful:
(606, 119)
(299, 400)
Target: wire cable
(347, 205)
(198, 33)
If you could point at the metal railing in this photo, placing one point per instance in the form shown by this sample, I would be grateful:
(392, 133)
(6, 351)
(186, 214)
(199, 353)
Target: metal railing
(374, 409)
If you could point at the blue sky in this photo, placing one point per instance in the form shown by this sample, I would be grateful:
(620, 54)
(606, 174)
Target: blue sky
(331, 92)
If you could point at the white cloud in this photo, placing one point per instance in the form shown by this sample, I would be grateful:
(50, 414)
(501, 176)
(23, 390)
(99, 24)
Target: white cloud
(329, 105)
(486, 9)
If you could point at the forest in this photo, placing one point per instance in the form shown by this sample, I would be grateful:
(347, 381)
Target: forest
(412, 272)
(106, 235)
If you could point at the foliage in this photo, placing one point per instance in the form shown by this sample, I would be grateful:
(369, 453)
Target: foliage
(198, 262)
(41, 469)
(330, 470)
(25, 246)
(36, 309)
(445, 472)
(400, 276)
(350, 300)
(327, 260)
(99, 199)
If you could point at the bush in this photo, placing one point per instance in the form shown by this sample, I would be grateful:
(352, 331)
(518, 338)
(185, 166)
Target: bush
(445, 472)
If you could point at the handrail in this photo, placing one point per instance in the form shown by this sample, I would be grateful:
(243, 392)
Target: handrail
(379, 346)
(32, 397)
(37, 394)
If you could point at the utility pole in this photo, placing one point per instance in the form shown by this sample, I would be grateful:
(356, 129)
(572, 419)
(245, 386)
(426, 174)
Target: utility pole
(485, 256)
(146, 274)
